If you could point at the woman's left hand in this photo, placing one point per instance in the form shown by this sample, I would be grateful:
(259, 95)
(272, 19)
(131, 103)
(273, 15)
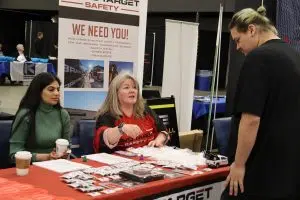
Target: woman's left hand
(54, 155)
(66, 154)
(158, 142)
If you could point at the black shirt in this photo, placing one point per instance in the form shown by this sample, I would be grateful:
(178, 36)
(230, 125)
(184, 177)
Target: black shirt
(268, 87)
(39, 47)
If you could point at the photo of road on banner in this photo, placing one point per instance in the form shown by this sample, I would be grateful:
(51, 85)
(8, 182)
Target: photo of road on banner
(119, 67)
(84, 73)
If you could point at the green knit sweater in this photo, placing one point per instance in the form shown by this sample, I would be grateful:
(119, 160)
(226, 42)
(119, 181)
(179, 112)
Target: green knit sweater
(50, 124)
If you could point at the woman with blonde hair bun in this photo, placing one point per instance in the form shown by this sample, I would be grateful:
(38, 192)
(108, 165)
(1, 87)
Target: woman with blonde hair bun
(264, 139)
(125, 121)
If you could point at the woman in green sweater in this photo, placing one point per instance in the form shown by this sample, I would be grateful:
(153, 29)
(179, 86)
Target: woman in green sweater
(40, 120)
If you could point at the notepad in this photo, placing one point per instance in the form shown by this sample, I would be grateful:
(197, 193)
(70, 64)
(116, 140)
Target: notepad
(107, 158)
(61, 165)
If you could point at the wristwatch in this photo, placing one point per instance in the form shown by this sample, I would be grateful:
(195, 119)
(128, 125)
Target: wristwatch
(167, 136)
(120, 128)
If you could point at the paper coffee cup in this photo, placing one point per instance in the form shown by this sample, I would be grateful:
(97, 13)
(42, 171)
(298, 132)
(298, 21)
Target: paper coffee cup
(61, 146)
(23, 159)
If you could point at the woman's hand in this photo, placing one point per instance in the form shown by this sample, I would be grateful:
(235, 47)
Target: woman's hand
(132, 130)
(159, 141)
(54, 156)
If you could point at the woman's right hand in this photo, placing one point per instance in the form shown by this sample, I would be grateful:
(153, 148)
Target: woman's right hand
(132, 130)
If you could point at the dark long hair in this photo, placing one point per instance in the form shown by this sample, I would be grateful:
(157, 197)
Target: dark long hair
(32, 100)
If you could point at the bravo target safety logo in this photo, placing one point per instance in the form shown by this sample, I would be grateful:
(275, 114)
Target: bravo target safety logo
(113, 5)
(134, 3)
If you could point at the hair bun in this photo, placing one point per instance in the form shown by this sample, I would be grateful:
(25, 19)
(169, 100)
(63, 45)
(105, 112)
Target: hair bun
(262, 10)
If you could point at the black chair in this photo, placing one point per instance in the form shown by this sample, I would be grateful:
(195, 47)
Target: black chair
(6, 116)
(222, 129)
(86, 135)
(150, 94)
(166, 111)
(5, 128)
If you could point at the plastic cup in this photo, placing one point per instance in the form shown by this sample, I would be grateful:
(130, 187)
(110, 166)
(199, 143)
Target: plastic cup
(61, 146)
(23, 159)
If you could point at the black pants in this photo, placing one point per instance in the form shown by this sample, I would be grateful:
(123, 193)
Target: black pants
(225, 196)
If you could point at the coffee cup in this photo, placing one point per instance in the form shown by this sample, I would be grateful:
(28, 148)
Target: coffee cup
(23, 159)
(61, 146)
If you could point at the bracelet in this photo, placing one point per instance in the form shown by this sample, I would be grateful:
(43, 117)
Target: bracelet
(165, 133)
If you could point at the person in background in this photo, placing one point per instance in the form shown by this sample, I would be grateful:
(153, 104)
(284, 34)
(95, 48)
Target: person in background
(39, 45)
(125, 121)
(40, 119)
(54, 49)
(265, 141)
(21, 57)
(1, 50)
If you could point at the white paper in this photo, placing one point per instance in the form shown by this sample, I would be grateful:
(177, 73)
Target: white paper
(184, 157)
(61, 165)
(107, 158)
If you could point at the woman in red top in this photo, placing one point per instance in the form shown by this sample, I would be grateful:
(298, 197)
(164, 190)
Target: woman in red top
(125, 121)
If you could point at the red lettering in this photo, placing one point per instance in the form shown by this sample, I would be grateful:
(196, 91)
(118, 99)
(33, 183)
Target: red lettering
(98, 31)
(78, 29)
(120, 33)
(101, 6)
(88, 4)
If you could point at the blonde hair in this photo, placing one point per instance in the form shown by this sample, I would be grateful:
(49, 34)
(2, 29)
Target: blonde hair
(242, 19)
(112, 105)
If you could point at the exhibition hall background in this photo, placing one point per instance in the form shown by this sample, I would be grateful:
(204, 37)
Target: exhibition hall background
(16, 17)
